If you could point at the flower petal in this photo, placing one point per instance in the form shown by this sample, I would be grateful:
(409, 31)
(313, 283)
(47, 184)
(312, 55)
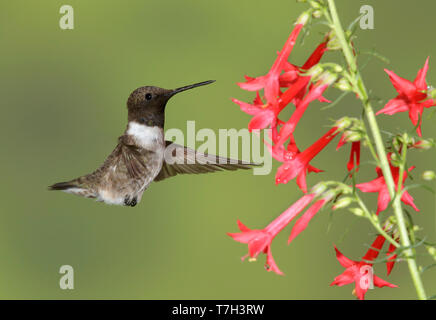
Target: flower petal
(383, 200)
(302, 223)
(343, 260)
(271, 264)
(248, 108)
(343, 279)
(262, 120)
(419, 81)
(253, 84)
(372, 186)
(392, 257)
(374, 251)
(403, 86)
(408, 199)
(242, 227)
(378, 282)
(394, 106)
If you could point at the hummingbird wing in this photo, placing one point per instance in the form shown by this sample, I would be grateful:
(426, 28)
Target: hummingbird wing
(179, 159)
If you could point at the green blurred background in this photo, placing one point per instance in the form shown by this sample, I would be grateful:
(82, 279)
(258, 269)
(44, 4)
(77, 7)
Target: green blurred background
(63, 95)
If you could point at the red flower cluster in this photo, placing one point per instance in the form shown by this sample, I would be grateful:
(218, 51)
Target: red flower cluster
(286, 83)
(298, 91)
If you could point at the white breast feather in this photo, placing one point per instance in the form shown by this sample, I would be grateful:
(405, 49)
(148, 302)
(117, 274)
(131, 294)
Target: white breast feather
(150, 138)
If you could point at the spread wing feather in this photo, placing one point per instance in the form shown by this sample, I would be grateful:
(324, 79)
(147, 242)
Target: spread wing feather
(183, 160)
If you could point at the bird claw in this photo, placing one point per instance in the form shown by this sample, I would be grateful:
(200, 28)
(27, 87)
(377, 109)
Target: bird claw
(130, 202)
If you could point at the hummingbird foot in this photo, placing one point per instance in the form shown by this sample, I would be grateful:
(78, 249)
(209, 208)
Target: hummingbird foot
(130, 202)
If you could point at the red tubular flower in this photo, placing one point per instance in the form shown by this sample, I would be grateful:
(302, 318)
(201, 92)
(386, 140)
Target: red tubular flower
(392, 257)
(354, 154)
(292, 78)
(360, 272)
(259, 241)
(270, 81)
(288, 128)
(379, 185)
(281, 154)
(263, 115)
(411, 97)
(304, 220)
(298, 166)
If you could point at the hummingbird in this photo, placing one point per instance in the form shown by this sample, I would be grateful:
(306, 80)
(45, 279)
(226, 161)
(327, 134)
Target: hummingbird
(141, 155)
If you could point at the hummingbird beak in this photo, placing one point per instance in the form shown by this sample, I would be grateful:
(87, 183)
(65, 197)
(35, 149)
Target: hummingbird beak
(175, 91)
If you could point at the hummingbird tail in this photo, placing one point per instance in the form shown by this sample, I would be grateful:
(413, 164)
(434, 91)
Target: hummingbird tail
(73, 187)
(63, 186)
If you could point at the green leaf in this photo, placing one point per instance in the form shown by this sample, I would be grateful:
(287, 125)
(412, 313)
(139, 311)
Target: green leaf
(353, 24)
(428, 267)
(377, 55)
(419, 185)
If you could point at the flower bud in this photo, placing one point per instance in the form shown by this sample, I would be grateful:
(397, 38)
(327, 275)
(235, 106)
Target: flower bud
(407, 140)
(333, 43)
(353, 136)
(319, 188)
(328, 195)
(343, 123)
(328, 78)
(315, 71)
(431, 92)
(424, 144)
(303, 18)
(395, 159)
(317, 14)
(357, 211)
(315, 4)
(342, 203)
(337, 68)
(431, 251)
(392, 220)
(343, 84)
(428, 175)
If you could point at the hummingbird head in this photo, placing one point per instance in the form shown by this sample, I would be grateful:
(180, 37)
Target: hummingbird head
(146, 105)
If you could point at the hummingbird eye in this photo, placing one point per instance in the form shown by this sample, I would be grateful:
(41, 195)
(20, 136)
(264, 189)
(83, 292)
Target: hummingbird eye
(148, 96)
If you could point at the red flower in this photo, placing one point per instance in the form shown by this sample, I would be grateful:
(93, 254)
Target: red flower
(259, 241)
(263, 115)
(360, 272)
(392, 257)
(292, 77)
(281, 154)
(304, 220)
(379, 185)
(411, 97)
(270, 81)
(354, 154)
(288, 128)
(297, 166)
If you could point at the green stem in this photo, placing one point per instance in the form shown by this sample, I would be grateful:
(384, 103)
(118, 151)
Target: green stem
(360, 88)
(402, 169)
(375, 222)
